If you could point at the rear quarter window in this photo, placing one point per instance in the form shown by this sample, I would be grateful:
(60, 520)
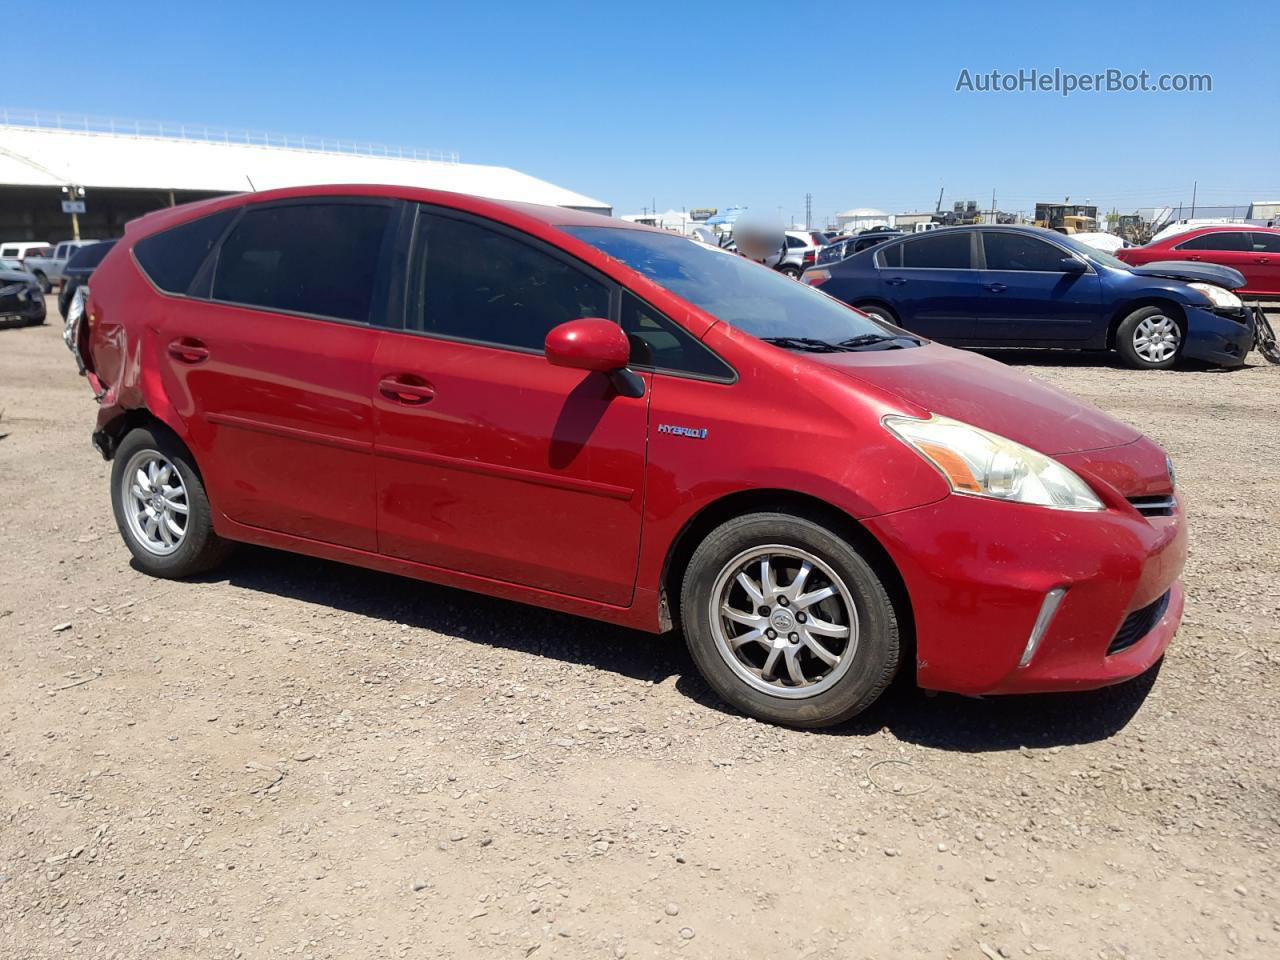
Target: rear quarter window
(171, 257)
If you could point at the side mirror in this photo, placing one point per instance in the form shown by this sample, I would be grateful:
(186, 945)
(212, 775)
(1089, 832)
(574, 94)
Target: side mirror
(588, 344)
(1071, 265)
(595, 344)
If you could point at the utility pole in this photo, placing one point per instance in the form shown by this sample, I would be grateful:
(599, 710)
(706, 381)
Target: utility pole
(1194, 185)
(993, 204)
(938, 208)
(73, 203)
(808, 211)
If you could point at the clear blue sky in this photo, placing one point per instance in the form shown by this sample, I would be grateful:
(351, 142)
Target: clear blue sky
(700, 104)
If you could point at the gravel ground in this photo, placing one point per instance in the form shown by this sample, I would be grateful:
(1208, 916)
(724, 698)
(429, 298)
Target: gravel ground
(296, 759)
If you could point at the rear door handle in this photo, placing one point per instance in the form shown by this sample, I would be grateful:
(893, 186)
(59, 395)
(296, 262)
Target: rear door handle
(406, 388)
(188, 350)
(997, 287)
(896, 281)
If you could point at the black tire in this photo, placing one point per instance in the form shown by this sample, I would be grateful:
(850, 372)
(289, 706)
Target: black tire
(1129, 328)
(790, 270)
(876, 652)
(199, 549)
(879, 311)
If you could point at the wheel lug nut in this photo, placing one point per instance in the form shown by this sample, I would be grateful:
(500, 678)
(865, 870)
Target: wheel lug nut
(764, 611)
(782, 601)
(771, 634)
(801, 617)
(794, 637)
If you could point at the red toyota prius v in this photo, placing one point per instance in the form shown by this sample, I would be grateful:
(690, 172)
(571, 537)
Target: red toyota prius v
(575, 412)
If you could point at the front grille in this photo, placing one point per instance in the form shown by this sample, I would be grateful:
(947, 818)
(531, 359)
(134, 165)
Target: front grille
(1158, 506)
(1138, 624)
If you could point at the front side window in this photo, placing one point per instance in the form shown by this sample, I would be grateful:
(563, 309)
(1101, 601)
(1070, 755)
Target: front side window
(795, 243)
(1017, 251)
(1266, 243)
(314, 258)
(1224, 240)
(658, 343)
(473, 283)
(943, 250)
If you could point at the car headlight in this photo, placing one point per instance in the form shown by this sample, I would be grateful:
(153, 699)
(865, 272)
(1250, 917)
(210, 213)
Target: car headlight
(1222, 299)
(982, 464)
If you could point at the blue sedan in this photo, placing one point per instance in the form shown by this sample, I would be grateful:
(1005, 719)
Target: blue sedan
(1008, 286)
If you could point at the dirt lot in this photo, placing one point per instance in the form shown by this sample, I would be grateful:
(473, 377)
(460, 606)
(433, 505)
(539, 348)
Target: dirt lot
(297, 759)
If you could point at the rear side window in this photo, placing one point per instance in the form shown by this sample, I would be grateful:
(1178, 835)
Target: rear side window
(1266, 243)
(944, 250)
(315, 258)
(890, 256)
(1227, 240)
(171, 257)
(657, 342)
(9, 252)
(473, 283)
(1017, 251)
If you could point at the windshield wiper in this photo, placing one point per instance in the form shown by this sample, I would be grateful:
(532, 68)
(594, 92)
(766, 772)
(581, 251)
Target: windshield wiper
(871, 339)
(804, 343)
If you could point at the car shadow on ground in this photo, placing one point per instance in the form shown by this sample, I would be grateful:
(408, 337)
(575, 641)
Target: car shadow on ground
(1043, 357)
(1100, 360)
(944, 722)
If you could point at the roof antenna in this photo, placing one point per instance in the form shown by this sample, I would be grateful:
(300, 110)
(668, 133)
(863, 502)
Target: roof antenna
(251, 186)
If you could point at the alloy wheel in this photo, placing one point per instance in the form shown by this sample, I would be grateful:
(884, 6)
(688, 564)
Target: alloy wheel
(155, 502)
(1156, 338)
(784, 621)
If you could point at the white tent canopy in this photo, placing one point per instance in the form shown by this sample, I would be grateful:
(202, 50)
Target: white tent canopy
(32, 156)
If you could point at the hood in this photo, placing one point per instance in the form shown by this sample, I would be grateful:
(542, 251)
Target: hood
(1193, 273)
(16, 276)
(986, 393)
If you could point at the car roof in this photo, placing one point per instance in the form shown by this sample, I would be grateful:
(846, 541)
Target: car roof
(1225, 228)
(506, 210)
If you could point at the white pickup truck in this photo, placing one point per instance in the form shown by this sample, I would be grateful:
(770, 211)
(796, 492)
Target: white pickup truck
(48, 270)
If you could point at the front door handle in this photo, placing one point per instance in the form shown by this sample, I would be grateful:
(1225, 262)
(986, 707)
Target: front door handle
(896, 281)
(997, 287)
(406, 388)
(1261, 260)
(1193, 257)
(188, 350)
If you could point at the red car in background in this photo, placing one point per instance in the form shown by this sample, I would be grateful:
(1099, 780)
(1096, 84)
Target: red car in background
(1254, 251)
(576, 412)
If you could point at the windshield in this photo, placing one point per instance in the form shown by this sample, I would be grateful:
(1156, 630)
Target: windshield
(764, 303)
(1093, 253)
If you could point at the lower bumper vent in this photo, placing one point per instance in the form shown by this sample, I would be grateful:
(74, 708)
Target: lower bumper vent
(1138, 624)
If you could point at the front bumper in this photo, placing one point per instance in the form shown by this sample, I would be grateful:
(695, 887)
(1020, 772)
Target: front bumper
(1221, 339)
(26, 307)
(978, 572)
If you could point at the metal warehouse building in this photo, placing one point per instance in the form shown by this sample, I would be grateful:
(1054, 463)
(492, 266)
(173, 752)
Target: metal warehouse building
(127, 169)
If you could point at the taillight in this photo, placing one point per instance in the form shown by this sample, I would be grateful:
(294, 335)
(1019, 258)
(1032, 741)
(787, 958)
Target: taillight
(809, 257)
(816, 278)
